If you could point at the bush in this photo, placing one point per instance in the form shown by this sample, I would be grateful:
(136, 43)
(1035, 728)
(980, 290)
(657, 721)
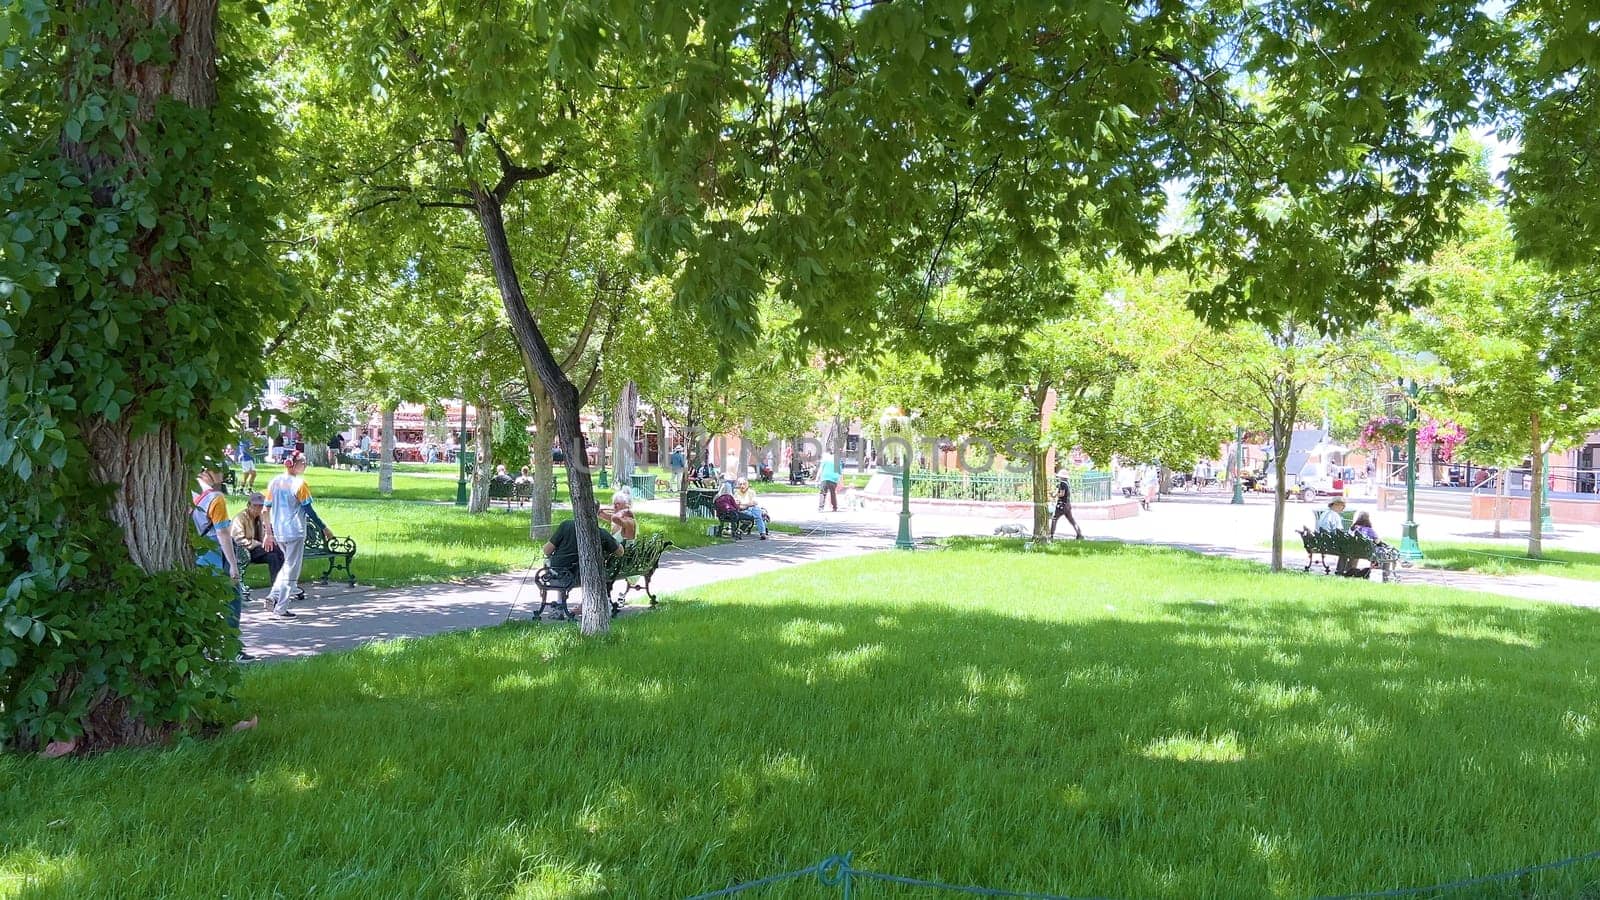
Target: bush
(110, 655)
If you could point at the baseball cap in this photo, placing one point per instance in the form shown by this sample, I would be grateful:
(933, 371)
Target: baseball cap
(256, 497)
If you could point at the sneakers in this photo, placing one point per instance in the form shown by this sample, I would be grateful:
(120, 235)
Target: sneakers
(284, 614)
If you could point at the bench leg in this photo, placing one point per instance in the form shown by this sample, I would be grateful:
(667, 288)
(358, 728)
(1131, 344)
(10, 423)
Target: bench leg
(647, 592)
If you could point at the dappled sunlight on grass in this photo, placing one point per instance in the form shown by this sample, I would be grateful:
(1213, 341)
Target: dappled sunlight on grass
(975, 715)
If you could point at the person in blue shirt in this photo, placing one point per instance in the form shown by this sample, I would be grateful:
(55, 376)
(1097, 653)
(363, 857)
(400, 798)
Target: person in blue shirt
(247, 463)
(828, 483)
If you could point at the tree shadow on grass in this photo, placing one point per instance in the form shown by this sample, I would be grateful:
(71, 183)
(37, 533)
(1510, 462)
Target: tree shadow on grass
(1242, 749)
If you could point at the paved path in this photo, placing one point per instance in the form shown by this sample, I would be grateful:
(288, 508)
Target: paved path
(337, 617)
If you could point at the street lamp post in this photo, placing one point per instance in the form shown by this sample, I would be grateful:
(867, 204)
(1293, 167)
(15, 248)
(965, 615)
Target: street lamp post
(604, 482)
(903, 541)
(461, 455)
(1238, 466)
(1409, 548)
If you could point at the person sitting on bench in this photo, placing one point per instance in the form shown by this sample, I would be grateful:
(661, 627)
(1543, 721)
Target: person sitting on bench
(749, 507)
(1331, 520)
(250, 535)
(561, 553)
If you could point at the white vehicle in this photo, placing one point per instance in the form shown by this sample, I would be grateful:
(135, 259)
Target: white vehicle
(1324, 473)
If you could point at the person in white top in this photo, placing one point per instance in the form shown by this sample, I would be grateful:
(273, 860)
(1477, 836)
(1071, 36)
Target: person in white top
(289, 501)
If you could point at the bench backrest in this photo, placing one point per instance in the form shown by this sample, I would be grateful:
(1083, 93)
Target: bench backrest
(640, 558)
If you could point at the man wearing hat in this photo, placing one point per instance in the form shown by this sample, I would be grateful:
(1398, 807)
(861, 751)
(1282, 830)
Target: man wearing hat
(250, 530)
(1332, 519)
(209, 514)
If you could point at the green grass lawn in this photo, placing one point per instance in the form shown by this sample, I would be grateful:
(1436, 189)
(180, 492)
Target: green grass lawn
(977, 716)
(1510, 558)
(400, 543)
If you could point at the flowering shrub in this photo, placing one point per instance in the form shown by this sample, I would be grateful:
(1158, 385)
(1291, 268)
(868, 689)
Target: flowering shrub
(1443, 437)
(1383, 430)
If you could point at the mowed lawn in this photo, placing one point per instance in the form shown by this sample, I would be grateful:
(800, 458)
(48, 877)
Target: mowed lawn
(1095, 720)
(1511, 558)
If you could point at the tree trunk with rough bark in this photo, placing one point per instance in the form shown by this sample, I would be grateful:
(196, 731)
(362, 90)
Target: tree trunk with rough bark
(483, 450)
(543, 449)
(622, 438)
(1283, 414)
(564, 404)
(151, 499)
(386, 452)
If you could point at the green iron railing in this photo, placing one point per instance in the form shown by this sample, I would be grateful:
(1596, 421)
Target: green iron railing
(999, 487)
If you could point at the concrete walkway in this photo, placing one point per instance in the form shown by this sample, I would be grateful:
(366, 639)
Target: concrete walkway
(337, 617)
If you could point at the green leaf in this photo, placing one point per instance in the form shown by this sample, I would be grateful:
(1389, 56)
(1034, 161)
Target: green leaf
(18, 625)
(74, 130)
(111, 331)
(8, 657)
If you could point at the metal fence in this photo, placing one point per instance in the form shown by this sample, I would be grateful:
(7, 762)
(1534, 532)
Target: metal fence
(1000, 487)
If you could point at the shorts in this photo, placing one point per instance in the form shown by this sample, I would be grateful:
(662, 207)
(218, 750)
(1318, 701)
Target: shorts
(248, 465)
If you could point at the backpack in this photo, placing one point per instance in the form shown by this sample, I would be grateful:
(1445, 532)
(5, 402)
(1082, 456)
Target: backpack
(201, 513)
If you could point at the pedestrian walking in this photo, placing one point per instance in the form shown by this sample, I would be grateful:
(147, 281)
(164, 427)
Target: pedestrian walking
(1064, 506)
(289, 501)
(828, 483)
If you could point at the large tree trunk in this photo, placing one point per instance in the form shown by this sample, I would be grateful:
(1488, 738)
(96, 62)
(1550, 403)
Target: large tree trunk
(544, 470)
(1535, 491)
(149, 470)
(1282, 433)
(563, 396)
(386, 452)
(483, 449)
(622, 440)
(1040, 458)
(150, 503)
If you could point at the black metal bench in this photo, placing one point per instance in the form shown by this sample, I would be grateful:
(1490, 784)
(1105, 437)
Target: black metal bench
(638, 560)
(512, 492)
(1320, 545)
(359, 462)
(338, 552)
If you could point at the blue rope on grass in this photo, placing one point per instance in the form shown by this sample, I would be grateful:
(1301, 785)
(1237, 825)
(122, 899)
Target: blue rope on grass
(837, 871)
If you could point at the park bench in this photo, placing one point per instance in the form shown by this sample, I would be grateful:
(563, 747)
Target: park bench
(1322, 544)
(358, 461)
(698, 501)
(638, 560)
(338, 552)
(515, 492)
(512, 492)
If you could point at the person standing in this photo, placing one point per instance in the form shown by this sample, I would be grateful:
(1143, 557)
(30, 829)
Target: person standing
(210, 517)
(828, 483)
(247, 462)
(289, 500)
(1064, 506)
(335, 447)
(677, 465)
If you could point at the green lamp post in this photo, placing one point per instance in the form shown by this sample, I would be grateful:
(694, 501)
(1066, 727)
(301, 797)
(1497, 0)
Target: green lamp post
(1238, 467)
(1409, 548)
(461, 456)
(903, 541)
(604, 482)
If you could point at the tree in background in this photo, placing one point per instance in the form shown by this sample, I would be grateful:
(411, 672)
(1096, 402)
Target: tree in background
(1267, 378)
(1521, 346)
